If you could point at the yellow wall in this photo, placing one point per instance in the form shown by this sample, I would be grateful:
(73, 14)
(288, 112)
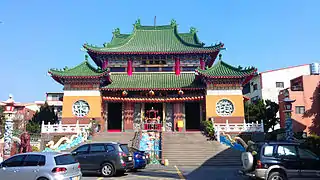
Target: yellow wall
(94, 103)
(237, 100)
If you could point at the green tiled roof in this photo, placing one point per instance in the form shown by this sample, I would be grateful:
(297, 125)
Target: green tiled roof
(153, 80)
(85, 69)
(164, 39)
(224, 70)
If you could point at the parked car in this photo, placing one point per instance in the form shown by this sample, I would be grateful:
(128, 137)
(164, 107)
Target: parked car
(139, 157)
(40, 166)
(108, 158)
(279, 160)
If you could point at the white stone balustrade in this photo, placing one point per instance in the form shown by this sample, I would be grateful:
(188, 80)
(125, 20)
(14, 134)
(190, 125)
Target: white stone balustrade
(64, 128)
(239, 127)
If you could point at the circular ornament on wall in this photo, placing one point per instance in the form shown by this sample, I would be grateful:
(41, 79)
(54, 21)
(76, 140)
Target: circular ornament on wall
(80, 108)
(224, 107)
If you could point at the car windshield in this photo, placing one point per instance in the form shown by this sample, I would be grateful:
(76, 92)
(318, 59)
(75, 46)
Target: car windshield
(64, 159)
(124, 148)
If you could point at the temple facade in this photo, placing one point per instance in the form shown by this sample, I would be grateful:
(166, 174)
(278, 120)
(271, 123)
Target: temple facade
(152, 78)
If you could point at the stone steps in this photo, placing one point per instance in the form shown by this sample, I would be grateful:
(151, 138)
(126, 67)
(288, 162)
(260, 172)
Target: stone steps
(122, 137)
(193, 149)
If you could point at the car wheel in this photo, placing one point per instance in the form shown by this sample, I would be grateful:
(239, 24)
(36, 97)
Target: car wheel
(247, 161)
(277, 176)
(42, 178)
(107, 170)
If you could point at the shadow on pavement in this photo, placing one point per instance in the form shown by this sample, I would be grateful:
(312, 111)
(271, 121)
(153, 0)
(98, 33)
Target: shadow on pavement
(222, 166)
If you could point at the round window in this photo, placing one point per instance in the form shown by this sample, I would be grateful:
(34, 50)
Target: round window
(80, 108)
(224, 107)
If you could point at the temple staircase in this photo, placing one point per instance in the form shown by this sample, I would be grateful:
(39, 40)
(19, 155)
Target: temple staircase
(193, 149)
(121, 137)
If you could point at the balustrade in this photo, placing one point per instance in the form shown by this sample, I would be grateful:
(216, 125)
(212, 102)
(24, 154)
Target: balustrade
(64, 128)
(239, 127)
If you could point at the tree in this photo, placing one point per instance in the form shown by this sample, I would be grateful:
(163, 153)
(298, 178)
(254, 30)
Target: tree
(262, 110)
(46, 114)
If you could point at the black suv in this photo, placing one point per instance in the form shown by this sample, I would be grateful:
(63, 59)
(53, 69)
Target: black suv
(279, 160)
(107, 158)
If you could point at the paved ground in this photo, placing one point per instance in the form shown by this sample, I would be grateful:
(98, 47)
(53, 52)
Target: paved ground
(169, 173)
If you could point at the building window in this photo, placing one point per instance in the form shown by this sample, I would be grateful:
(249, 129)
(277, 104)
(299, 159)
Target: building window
(153, 69)
(300, 109)
(167, 69)
(118, 69)
(280, 84)
(246, 89)
(148, 62)
(140, 69)
(255, 87)
(188, 68)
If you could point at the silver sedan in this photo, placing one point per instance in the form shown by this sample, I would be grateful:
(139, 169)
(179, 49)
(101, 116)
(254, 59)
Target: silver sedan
(40, 166)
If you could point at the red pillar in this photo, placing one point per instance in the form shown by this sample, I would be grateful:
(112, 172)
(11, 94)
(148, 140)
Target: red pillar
(129, 67)
(177, 66)
(202, 63)
(105, 64)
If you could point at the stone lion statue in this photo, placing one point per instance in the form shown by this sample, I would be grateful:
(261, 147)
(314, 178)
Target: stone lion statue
(25, 143)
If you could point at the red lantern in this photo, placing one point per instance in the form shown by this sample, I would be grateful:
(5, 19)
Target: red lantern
(180, 92)
(9, 107)
(151, 93)
(124, 93)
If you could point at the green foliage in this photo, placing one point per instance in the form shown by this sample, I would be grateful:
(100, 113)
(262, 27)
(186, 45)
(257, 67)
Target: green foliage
(35, 149)
(262, 110)
(33, 127)
(45, 114)
(313, 143)
(209, 128)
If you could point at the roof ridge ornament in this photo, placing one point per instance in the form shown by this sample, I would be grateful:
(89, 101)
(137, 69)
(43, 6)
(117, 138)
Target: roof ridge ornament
(116, 31)
(220, 57)
(137, 23)
(193, 30)
(173, 23)
(86, 57)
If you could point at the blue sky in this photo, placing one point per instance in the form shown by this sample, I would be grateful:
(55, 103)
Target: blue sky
(37, 35)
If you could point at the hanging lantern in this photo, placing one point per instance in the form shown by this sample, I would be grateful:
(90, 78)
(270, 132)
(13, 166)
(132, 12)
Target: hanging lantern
(151, 93)
(124, 93)
(180, 92)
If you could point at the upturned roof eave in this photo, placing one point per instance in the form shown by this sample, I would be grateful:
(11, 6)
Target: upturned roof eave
(203, 50)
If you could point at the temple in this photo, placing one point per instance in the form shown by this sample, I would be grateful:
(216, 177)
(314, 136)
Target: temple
(153, 78)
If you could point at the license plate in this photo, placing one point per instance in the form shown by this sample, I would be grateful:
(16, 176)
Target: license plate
(143, 157)
(75, 178)
(130, 158)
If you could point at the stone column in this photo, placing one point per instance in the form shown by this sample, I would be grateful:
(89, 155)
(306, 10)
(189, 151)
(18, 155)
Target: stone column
(105, 113)
(8, 137)
(169, 118)
(137, 126)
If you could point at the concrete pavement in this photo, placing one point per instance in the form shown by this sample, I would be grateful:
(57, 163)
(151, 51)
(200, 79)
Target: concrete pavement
(182, 172)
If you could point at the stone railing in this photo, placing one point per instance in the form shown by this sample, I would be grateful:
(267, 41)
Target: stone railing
(239, 127)
(64, 128)
(81, 135)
